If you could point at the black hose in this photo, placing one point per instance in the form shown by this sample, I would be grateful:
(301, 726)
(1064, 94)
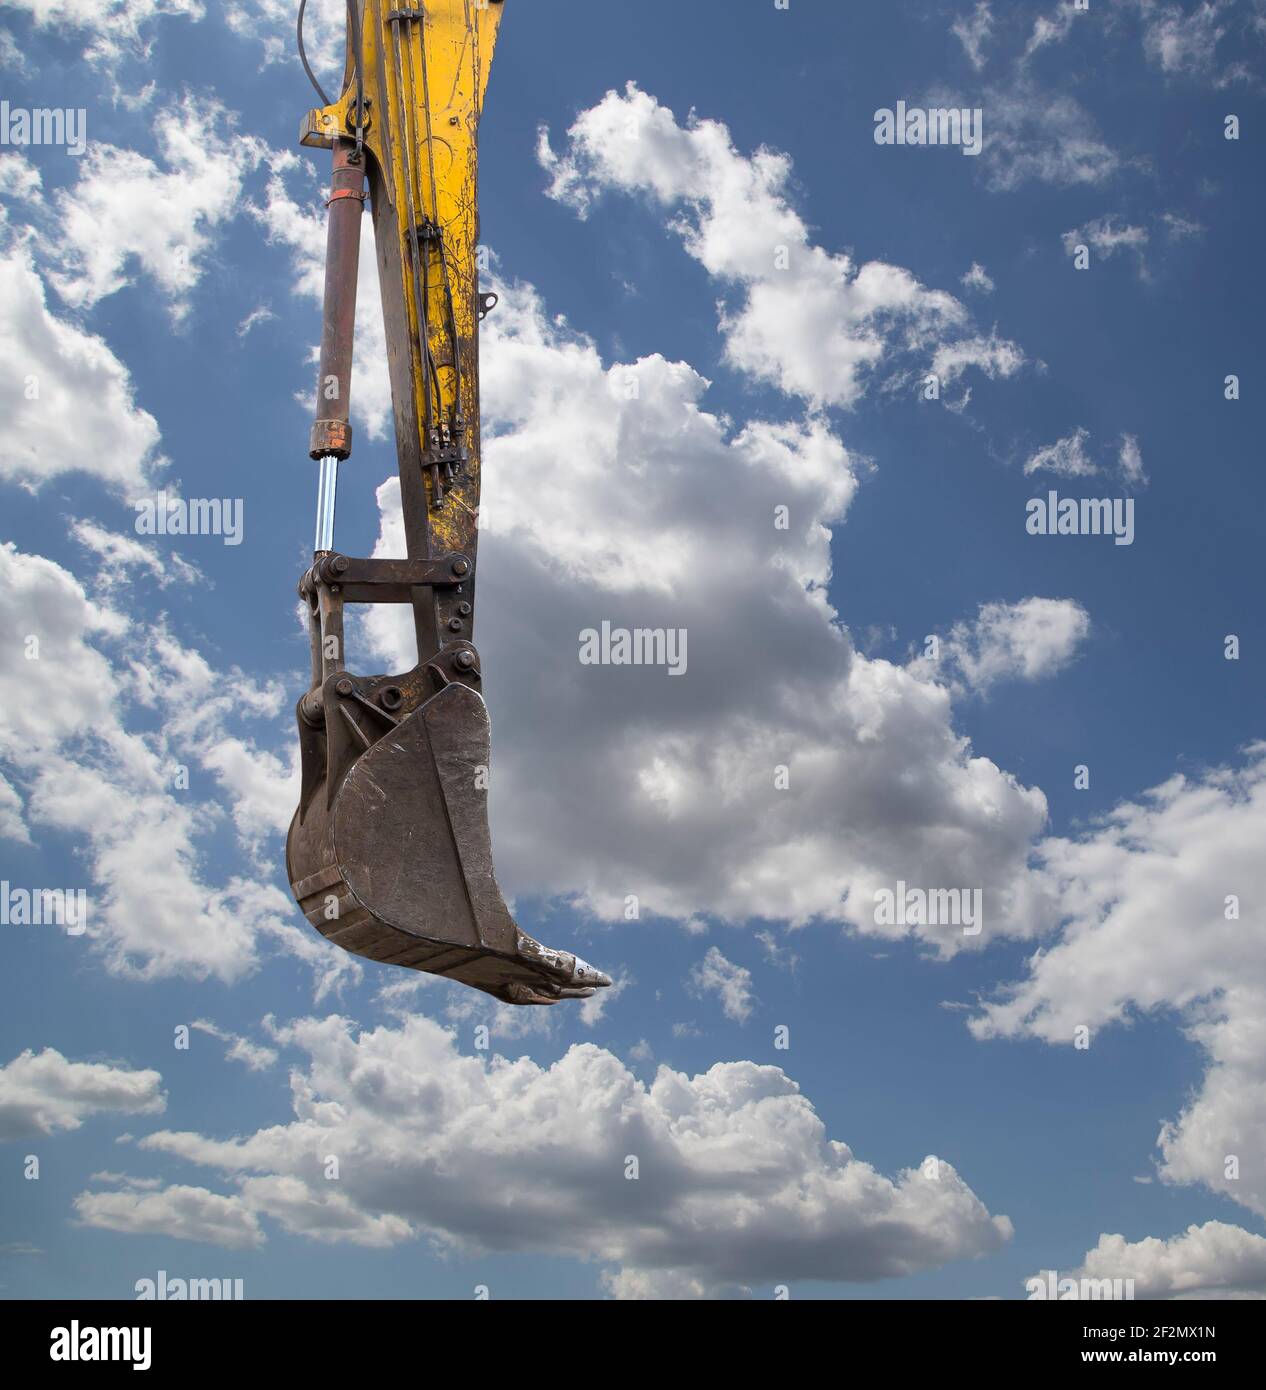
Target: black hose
(358, 48)
(303, 57)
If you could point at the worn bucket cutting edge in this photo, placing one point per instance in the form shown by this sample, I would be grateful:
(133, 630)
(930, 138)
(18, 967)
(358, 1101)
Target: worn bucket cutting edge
(396, 864)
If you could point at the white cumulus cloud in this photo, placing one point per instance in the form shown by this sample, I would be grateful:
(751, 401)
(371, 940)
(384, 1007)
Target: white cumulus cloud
(1215, 1260)
(738, 1185)
(808, 320)
(68, 401)
(46, 1093)
(1029, 640)
(1162, 912)
(1067, 457)
(125, 208)
(112, 28)
(732, 984)
(70, 743)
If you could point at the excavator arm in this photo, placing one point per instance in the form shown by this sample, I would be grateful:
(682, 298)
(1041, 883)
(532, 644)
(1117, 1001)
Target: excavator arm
(389, 853)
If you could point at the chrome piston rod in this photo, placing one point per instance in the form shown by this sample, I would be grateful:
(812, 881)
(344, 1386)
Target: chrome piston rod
(327, 491)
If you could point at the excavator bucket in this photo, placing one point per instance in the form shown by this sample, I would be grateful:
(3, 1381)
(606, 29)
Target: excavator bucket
(389, 853)
(396, 863)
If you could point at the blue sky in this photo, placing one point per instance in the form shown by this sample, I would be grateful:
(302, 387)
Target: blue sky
(160, 288)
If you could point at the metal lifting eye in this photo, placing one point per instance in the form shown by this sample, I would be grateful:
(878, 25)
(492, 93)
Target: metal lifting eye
(487, 303)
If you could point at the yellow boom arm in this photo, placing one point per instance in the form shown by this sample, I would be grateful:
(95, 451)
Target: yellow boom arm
(424, 71)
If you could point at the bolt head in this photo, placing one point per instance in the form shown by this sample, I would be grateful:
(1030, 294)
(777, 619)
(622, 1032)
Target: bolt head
(465, 660)
(461, 567)
(344, 687)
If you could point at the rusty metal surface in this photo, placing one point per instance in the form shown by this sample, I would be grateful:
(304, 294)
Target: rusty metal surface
(385, 580)
(389, 855)
(331, 432)
(416, 879)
